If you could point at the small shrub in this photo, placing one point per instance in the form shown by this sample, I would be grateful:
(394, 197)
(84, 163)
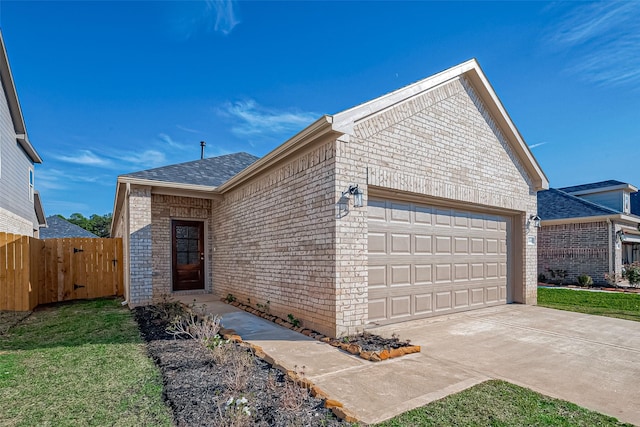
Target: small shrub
(558, 275)
(242, 368)
(585, 280)
(613, 279)
(294, 393)
(631, 272)
(230, 298)
(293, 320)
(202, 328)
(542, 278)
(266, 307)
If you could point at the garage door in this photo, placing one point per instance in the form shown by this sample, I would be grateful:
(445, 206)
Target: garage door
(429, 260)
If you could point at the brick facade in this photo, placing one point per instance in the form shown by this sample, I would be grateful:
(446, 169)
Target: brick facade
(274, 240)
(578, 248)
(140, 248)
(12, 223)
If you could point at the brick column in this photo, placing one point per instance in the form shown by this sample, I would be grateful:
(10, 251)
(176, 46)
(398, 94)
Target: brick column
(141, 291)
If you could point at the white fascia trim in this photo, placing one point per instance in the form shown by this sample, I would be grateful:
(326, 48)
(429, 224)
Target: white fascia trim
(627, 187)
(600, 218)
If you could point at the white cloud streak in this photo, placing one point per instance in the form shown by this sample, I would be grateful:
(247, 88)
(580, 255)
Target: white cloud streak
(186, 129)
(85, 157)
(251, 119)
(603, 41)
(170, 142)
(538, 144)
(225, 16)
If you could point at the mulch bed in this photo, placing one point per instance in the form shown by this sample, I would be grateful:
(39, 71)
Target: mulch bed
(198, 388)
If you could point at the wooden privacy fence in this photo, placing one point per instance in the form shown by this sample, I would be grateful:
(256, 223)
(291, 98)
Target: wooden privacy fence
(34, 271)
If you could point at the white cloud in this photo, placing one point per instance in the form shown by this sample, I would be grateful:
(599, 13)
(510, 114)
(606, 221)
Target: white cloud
(538, 144)
(186, 129)
(254, 120)
(146, 159)
(167, 139)
(603, 41)
(225, 16)
(87, 158)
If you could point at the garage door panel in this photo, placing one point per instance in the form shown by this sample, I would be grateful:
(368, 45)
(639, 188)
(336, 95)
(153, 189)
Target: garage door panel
(422, 244)
(443, 273)
(460, 298)
(443, 301)
(377, 309)
(400, 307)
(377, 243)
(377, 276)
(443, 245)
(400, 243)
(428, 260)
(423, 274)
(400, 275)
(423, 304)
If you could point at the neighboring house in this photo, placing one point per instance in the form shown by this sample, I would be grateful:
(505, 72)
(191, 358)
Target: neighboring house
(635, 203)
(588, 229)
(21, 210)
(437, 224)
(58, 228)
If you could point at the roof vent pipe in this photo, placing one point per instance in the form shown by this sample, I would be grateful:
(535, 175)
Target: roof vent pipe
(202, 145)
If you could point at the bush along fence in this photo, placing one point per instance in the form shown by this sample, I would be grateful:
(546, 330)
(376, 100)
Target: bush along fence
(34, 271)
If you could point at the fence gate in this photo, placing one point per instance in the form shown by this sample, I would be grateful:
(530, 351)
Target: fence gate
(44, 271)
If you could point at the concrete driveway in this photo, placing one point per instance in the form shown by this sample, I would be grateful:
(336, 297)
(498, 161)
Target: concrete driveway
(593, 361)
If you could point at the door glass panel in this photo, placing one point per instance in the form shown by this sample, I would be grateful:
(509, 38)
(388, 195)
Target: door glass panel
(183, 258)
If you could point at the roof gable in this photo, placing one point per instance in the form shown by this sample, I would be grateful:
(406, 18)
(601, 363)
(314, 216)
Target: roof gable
(212, 172)
(471, 71)
(556, 204)
(14, 105)
(58, 228)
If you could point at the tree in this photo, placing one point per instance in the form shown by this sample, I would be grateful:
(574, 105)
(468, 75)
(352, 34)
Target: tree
(99, 225)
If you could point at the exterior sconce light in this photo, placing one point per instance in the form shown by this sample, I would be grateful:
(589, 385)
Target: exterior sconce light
(620, 236)
(533, 220)
(357, 195)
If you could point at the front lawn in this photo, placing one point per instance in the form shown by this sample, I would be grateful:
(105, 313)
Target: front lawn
(499, 403)
(611, 304)
(81, 363)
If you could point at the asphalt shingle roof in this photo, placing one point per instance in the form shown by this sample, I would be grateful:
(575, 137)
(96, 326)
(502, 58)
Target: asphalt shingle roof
(59, 228)
(213, 171)
(592, 186)
(556, 204)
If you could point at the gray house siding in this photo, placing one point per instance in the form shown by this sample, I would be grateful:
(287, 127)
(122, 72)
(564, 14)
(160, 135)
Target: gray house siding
(610, 199)
(14, 169)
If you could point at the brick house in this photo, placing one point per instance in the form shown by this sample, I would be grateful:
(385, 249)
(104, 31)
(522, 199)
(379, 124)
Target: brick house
(588, 229)
(411, 205)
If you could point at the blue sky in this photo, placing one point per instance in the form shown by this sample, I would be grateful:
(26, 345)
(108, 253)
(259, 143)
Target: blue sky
(114, 87)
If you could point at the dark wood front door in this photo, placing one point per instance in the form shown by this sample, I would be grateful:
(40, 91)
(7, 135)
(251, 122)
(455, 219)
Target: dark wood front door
(188, 255)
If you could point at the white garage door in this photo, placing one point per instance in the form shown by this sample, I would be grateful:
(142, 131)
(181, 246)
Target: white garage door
(428, 260)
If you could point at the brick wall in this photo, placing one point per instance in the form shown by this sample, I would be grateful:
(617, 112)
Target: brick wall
(445, 144)
(163, 209)
(141, 274)
(577, 248)
(12, 223)
(274, 239)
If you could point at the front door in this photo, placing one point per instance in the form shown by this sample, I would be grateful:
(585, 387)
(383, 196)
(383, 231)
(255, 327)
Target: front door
(188, 255)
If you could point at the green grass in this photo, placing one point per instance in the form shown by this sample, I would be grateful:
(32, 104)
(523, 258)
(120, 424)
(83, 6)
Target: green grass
(82, 363)
(621, 305)
(498, 403)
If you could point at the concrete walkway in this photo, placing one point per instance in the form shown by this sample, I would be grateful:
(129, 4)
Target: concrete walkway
(589, 360)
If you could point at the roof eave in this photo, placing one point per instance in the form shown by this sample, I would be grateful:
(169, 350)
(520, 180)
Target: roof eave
(39, 209)
(629, 187)
(14, 105)
(595, 218)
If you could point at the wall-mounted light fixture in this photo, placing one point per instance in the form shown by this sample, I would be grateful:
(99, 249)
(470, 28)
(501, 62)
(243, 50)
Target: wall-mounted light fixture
(533, 220)
(620, 236)
(357, 196)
